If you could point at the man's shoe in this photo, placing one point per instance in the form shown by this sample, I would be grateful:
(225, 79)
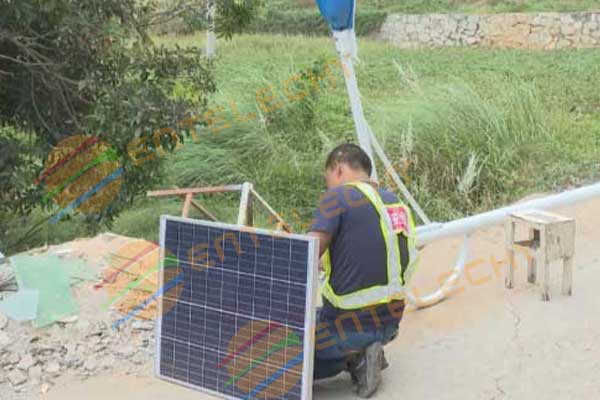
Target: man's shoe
(352, 365)
(366, 373)
(384, 362)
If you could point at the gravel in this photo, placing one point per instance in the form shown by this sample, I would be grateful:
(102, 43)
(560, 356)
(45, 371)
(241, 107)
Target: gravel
(32, 361)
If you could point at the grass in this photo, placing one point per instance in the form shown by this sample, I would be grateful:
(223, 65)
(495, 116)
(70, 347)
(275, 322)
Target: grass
(470, 129)
(477, 128)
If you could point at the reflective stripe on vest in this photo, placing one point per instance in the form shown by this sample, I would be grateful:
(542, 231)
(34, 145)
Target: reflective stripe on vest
(394, 290)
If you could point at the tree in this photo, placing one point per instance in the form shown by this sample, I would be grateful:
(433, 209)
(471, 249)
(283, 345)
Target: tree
(231, 15)
(89, 66)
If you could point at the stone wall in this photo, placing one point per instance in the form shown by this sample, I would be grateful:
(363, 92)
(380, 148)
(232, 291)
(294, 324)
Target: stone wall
(525, 31)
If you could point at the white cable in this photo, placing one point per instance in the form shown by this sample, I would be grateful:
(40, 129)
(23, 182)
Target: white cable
(390, 169)
(448, 286)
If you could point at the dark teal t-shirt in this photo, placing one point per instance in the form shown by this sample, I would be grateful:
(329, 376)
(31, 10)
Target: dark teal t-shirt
(357, 251)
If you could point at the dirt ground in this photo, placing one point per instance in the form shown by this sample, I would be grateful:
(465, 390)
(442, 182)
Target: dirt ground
(484, 342)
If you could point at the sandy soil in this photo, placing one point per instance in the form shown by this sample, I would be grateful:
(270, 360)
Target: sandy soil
(484, 342)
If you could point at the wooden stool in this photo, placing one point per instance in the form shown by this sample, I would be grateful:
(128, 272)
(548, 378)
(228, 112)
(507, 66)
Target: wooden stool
(552, 237)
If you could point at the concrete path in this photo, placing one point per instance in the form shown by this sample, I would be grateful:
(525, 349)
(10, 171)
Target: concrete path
(484, 342)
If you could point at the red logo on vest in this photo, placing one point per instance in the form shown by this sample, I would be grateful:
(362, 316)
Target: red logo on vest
(399, 217)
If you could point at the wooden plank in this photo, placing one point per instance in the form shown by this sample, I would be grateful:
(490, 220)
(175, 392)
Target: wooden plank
(250, 208)
(245, 204)
(544, 264)
(206, 190)
(281, 222)
(203, 211)
(541, 217)
(528, 244)
(567, 279)
(531, 261)
(185, 212)
(509, 277)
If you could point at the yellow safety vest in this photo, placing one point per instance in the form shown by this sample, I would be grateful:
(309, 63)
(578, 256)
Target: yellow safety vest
(394, 219)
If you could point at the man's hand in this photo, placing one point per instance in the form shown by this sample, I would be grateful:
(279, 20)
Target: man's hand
(324, 240)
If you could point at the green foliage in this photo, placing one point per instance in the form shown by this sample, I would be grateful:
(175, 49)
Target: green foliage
(294, 22)
(196, 20)
(69, 67)
(475, 149)
(479, 128)
(310, 22)
(152, 94)
(88, 66)
(288, 21)
(48, 48)
(233, 15)
(294, 123)
(22, 232)
(19, 164)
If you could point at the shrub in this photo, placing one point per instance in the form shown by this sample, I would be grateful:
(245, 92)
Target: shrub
(296, 22)
(310, 22)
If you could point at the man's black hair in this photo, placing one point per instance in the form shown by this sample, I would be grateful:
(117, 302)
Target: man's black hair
(351, 155)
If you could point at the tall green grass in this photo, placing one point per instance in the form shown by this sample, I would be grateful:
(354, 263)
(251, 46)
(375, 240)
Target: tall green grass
(469, 129)
(470, 152)
(477, 128)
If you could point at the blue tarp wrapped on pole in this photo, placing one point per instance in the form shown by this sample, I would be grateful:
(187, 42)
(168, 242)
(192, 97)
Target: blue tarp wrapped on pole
(339, 14)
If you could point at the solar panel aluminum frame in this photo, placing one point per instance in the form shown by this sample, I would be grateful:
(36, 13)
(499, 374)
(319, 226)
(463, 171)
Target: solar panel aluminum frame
(310, 306)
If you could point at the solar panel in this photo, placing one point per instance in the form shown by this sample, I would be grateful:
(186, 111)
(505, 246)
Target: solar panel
(237, 312)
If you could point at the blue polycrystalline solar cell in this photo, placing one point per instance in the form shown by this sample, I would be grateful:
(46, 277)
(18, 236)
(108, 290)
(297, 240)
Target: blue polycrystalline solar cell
(237, 325)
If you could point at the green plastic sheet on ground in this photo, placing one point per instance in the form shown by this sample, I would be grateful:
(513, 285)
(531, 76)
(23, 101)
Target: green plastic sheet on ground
(47, 274)
(77, 270)
(22, 305)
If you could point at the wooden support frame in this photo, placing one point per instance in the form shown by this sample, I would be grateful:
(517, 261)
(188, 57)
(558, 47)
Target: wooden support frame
(245, 213)
(186, 205)
(248, 197)
(281, 224)
(203, 210)
(204, 190)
